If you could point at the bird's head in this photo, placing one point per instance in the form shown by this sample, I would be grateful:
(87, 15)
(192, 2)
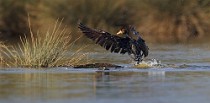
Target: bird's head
(127, 30)
(122, 32)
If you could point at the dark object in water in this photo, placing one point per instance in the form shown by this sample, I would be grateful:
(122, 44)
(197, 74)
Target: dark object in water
(97, 65)
(117, 44)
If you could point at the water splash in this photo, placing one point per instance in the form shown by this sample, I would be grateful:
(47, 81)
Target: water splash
(154, 63)
(149, 64)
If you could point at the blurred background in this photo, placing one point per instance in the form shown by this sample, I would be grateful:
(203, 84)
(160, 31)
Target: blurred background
(158, 21)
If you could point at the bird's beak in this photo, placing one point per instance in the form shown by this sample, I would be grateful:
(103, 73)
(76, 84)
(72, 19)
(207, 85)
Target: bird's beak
(119, 32)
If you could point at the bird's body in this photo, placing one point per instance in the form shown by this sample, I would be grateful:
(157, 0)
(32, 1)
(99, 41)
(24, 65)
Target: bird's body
(117, 44)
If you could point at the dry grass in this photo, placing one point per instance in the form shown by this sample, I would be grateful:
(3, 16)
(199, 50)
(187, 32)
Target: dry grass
(3, 48)
(40, 50)
(43, 50)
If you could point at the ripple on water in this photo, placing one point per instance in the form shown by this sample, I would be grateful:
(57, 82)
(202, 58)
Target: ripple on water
(144, 66)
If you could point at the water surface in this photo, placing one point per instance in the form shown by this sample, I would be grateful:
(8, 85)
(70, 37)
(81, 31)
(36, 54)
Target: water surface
(183, 78)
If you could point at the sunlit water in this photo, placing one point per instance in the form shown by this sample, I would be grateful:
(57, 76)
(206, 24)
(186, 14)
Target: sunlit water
(176, 74)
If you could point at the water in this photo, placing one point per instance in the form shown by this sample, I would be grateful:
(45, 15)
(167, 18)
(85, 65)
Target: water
(183, 76)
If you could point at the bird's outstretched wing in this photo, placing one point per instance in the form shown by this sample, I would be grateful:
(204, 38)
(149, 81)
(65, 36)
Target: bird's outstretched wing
(110, 42)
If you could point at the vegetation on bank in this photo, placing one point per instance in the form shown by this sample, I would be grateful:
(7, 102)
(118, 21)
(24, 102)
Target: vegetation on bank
(157, 20)
(47, 49)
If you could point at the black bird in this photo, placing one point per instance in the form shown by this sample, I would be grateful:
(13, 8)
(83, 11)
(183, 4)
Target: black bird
(118, 44)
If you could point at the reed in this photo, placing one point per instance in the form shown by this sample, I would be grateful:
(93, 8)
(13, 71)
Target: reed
(43, 50)
(3, 48)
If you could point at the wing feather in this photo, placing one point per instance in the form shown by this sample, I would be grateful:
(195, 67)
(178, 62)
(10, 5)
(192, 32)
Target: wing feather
(110, 42)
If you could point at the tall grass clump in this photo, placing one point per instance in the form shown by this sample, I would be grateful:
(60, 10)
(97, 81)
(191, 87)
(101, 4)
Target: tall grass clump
(44, 51)
(40, 50)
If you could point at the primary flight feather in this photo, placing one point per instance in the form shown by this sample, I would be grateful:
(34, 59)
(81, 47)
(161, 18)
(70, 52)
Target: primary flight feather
(117, 44)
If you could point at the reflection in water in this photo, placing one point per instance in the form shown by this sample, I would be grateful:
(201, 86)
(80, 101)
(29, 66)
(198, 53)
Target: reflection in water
(158, 75)
(125, 84)
(187, 84)
(153, 85)
(45, 86)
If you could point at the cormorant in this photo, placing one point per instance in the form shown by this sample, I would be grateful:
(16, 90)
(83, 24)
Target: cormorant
(118, 44)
